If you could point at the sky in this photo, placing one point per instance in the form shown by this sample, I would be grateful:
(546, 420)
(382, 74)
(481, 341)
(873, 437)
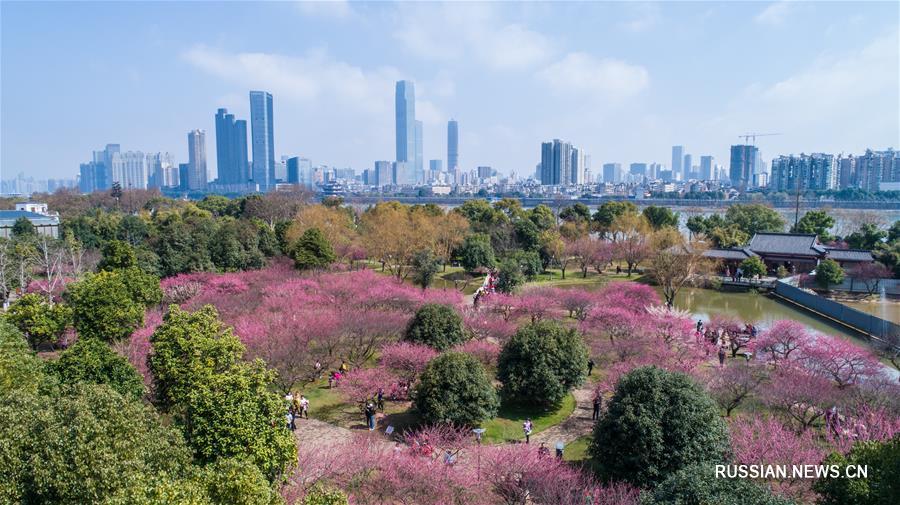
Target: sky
(623, 81)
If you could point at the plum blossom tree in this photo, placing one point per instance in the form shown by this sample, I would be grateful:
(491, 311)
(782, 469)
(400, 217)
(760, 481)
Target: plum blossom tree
(784, 341)
(801, 395)
(732, 385)
(841, 361)
(406, 360)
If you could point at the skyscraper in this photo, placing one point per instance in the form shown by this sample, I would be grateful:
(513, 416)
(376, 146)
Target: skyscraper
(263, 139)
(813, 171)
(405, 108)
(419, 162)
(196, 160)
(556, 163)
(687, 167)
(452, 145)
(677, 162)
(638, 169)
(163, 173)
(612, 173)
(129, 169)
(231, 148)
(384, 175)
(743, 163)
(706, 168)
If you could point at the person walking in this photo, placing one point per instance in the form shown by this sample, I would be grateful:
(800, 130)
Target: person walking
(291, 425)
(598, 401)
(699, 326)
(381, 399)
(527, 427)
(543, 450)
(590, 366)
(722, 355)
(304, 406)
(370, 415)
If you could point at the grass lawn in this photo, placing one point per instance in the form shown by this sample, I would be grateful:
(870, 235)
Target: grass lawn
(330, 406)
(577, 450)
(553, 277)
(507, 426)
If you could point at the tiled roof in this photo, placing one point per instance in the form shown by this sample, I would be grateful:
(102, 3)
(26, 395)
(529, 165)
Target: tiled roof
(8, 217)
(786, 243)
(735, 253)
(849, 254)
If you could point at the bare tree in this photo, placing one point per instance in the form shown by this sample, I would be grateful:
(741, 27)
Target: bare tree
(50, 260)
(675, 262)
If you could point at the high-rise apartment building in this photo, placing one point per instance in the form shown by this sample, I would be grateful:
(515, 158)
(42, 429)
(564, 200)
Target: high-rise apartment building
(197, 177)
(129, 169)
(687, 167)
(707, 168)
(846, 167)
(743, 165)
(452, 145)
(876, 167)
(299, 171)
(163, 170)
(263, 140)
(403, 173)
(677, 162)
(231, 149)
(638, 169)
(814, 171)
(559, 161)
(384, 174)
(612, 173)
(405, 115)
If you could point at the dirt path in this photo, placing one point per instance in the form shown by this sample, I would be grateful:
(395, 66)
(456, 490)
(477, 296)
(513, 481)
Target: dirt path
(578, 424)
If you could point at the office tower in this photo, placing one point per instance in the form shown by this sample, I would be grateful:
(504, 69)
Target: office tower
(184, 171)
(677, 162)
(419, 162)
(452, 145)
(653, 170)
(435, 167)
(687, 167)
(231, 148)
(485, 172)
(405, 109)
(129, 169)
(814, 171)
(197, 160)
(556, 163)
(384, 174)
(403, 173)
(612, 172)
(706, 168)
(577, 163)
(263, 140)
(638, 169)
(742, 168)
(299, 171)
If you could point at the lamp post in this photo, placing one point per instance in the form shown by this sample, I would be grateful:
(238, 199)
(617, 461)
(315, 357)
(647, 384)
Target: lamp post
(478, 434)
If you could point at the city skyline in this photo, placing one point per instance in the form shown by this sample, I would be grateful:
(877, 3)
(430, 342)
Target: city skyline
(617, 93)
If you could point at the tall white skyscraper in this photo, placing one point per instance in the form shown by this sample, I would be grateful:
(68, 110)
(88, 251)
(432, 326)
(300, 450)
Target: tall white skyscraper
(129, 169)
(677, 163)
(452, 145)
(262, 139)
(197, 160)
(405, 114)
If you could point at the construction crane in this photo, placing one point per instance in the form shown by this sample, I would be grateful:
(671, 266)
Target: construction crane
(748, 136)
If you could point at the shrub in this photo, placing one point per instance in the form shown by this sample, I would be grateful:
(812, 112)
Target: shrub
(455, 388)
(117, 255)
(657, 423)
(439, 326)
(753, 266)
(40, 321)
(509, 276)
(882, 485)
(476, 252)
(541, 363)
(426, 266)
(92, 361)
(828, 273)
(698, 484)
(104, 308)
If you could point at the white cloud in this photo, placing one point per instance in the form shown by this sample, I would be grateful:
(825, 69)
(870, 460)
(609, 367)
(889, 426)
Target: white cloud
(325, 8)
(604, 79)
(459, 31)
(775, 13)
(644, 17)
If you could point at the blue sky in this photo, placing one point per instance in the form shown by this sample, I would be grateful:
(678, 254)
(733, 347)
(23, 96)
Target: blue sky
(625, 81)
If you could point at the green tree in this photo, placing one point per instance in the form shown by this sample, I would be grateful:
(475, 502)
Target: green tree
(132, 230)
(753, 218)
(817, 222)
(880, 487)
(189, 348)
(608, 212)
(529, 262)
(509, 276)
(103, 307)
(660, 217)
(320, 495)
(829, 273)
(576, 213)
(20, 368)
(753, 266)
(23, 228)
(117, 255)
(216, 205)
(82, 444)
(528, 235)
(426, 266)
(437, 325)
(312, 251)
(476, 252)
(657, 423)
(894, 232)
(541, 363)
(698, 485)
(92, 361)
(728, 236)
(238, 482)
(889, 256)
(455, 388)
(542, 217)
(867, 237)
(39, 320)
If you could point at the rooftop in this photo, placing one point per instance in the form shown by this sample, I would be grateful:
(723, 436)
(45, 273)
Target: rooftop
(797, 244)
(7, 217)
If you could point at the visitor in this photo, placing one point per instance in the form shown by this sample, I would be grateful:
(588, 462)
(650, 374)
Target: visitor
(618, 270)
(699, 326)
(559, 450)
(304, 407)
(318, 367)
(449, 458)
(344, 368)
(370, 415)
(295, 405)
(289, 398)
(543, 451)
(337, 377)
(331, 380)
(290, 421)
(381, 399)
(722, 355)
(598, 402)
(590, 366)
(527, 427)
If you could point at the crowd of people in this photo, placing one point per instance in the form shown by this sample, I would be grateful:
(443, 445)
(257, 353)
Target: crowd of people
(297, 408)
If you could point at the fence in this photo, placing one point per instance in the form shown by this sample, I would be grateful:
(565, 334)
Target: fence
(890, 286)
(866, 323)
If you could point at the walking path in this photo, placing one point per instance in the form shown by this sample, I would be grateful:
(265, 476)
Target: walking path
(578, 424)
